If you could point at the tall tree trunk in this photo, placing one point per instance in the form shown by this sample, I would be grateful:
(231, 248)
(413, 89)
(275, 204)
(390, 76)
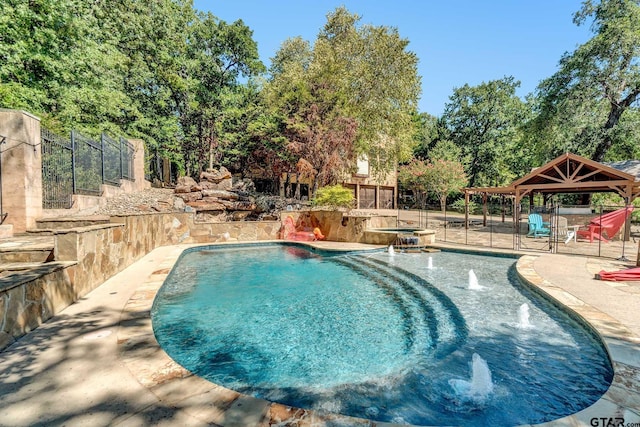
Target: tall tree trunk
(616, 111)
(212, 145)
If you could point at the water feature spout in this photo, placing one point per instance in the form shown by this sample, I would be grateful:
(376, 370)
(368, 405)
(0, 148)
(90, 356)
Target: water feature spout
(473, 281)
(391, 251)
(430, 263)
(523, 317)
(479, 387)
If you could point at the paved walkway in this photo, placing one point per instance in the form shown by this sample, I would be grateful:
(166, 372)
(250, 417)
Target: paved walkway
(97, 363)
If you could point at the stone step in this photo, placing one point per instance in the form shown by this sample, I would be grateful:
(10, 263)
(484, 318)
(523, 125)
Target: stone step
(18, 266)
(26, 250)
(12, 278)
(66, 222)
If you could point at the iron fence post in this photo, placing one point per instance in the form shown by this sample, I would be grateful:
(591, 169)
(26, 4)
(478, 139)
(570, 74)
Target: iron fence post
(121, 158)
(102, 155)
(73, 160)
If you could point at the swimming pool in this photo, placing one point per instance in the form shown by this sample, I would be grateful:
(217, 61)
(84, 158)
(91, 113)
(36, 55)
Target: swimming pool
(377, 336)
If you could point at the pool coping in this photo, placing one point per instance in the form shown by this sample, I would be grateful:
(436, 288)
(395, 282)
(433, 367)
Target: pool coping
(174, 385)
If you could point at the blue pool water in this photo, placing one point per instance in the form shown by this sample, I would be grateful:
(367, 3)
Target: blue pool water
(377, 336)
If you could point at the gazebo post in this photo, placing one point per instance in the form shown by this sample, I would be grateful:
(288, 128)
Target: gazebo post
(466, 209)
(516, 216)
(484, 209)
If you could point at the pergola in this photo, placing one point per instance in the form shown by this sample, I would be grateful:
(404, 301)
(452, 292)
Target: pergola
(568, 173)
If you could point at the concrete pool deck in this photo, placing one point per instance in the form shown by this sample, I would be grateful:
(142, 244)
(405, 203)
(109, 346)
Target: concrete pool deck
(98, 363)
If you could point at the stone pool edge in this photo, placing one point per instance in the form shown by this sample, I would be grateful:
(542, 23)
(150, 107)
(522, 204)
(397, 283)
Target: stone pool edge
(175, 386)
(622, 399)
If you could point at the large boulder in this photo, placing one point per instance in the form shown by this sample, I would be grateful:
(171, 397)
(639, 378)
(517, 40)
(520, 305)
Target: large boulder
(186, 184)
(215, 175)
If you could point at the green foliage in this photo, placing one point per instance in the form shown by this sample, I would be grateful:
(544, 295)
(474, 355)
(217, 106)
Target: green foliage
(445, 150)
(360, 77)
(459, 206)
(154, 70)
(583, 107)
(440, 177)
(484, 121)
(334, 196)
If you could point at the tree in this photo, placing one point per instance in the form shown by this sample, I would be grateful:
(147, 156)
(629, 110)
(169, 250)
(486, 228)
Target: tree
(583, 104)
(376, 78)
(411, 176)
(350, 94)
(445, 150)
(427, 131)
(114, 66)
(440, 177)
(484, 121)
(219, 54)
(151, 36)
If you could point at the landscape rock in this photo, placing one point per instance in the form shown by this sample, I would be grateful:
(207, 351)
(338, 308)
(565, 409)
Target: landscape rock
(225, 185)
(190, 197)
(240, 216)
(212, 204)
(216, 175)
(238, 206)
(182, 189)
(200, 206)
(186, 181)
(220, 194)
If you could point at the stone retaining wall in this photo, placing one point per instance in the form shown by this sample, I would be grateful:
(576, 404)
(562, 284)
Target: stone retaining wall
(88, 256)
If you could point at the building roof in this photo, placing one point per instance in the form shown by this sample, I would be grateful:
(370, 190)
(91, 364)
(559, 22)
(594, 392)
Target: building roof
(632, 167)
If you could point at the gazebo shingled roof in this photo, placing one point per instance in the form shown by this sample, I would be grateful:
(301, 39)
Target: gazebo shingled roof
(569, 173)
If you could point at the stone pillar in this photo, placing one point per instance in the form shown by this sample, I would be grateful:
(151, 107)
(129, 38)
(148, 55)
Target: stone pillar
(21, 169)
(138, 165)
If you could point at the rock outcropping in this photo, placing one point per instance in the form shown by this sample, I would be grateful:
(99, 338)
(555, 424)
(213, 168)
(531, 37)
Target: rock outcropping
(215, 198)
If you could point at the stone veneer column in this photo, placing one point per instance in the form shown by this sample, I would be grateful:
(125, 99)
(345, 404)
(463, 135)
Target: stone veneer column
(21, 168)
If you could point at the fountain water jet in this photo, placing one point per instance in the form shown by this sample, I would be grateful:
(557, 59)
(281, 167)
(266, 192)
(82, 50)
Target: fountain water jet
(523, 317)
(391, 251)
(479, 387)
(473, 281)
(430, 263)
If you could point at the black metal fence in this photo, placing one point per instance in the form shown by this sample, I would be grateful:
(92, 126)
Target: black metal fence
(57, 171)
(565, 229)
(80, 165)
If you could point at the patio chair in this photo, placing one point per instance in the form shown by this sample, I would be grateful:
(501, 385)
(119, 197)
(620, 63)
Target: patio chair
(537, 227)
(606, 226)
(562, 230)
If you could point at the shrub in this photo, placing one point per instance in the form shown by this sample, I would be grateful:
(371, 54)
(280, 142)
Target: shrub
(334, 196)
(458, 206)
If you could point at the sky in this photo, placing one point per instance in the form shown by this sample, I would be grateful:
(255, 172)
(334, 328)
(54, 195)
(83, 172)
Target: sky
(457, 42)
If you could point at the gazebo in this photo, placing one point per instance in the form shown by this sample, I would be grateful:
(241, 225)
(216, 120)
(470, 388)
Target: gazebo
(568, 173)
